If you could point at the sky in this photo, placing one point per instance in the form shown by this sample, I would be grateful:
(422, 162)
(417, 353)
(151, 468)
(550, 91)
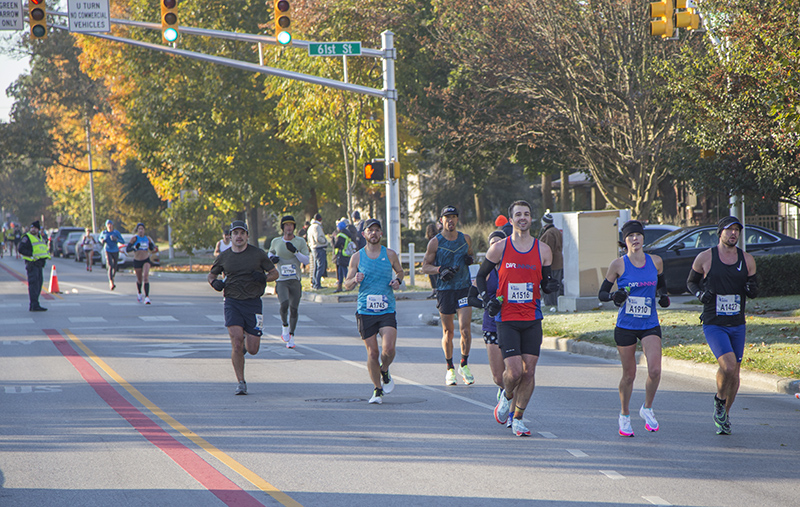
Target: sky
(10, 71)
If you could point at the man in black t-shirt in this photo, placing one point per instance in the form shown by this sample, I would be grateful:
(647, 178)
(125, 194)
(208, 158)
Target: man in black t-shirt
(247, 270)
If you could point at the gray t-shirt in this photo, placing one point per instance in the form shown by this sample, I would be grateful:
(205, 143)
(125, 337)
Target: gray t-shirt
(289, 265)
(239, 269)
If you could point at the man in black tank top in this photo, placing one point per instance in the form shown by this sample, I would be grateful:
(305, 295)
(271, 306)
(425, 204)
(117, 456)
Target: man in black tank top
(722, 278)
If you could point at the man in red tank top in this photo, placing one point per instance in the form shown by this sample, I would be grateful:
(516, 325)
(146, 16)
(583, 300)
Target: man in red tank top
(524, 270)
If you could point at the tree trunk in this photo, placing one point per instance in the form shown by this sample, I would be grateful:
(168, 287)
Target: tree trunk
(669, 200)
(565, 205)
(311, 204)
(478, 208)
(252, 219)
(547, 192)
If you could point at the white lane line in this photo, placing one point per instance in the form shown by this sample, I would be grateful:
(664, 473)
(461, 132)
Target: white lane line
(158, 318)
(93, 289)
(216, 318)
(656, 500)
(11, 305)
(87, 319)
(124, 304)
(611, 474)
(6, 322)
(577, 453)
(177, 303)
(547, 434)
(351, 318)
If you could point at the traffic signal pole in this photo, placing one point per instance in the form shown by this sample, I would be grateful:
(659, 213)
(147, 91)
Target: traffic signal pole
(387, 53)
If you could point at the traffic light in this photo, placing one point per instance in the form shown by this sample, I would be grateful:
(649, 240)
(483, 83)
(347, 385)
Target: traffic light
(375, 170)
(664, 11)
(283, 21)
(687, 16)
(169, 21)
(38, 19)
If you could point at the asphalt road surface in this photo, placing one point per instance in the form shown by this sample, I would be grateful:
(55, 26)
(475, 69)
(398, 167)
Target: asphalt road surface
(105, 401)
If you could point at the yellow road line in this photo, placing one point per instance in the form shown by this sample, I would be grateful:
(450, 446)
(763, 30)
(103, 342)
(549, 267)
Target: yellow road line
(231, 463)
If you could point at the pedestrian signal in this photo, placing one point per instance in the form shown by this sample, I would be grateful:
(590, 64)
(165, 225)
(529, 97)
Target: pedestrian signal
(375, 170)
(38, 19)
(283, 21)
(169, 21)
(663, 11)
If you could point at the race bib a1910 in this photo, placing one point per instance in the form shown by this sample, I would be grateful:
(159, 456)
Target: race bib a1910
(377, 302)
(638, 306)
(520, 292)
(729, 304)
(288, 270)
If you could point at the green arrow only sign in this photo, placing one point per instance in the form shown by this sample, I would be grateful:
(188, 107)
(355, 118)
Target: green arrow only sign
(334, 48)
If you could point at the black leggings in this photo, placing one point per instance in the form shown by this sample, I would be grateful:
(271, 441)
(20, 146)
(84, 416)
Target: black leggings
(112, 259)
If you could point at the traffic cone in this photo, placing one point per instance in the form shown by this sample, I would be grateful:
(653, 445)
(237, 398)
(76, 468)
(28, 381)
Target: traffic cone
(53, 288)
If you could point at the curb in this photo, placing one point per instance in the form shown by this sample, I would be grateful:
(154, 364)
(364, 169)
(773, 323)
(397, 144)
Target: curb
(751, 379)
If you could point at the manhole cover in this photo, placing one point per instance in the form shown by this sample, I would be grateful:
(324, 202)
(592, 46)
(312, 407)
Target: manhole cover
(337, 400)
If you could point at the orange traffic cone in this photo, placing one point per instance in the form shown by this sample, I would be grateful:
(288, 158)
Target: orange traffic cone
(53, 288)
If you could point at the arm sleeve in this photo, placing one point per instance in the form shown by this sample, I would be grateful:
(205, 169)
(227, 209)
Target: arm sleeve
(605, 291)
(480, 279)
(693, 282)
(751, 289)
(661, 285)
(301, 257)
(546, 273)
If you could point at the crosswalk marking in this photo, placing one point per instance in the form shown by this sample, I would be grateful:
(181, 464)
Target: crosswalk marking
(612, 474)
(216, 318)
(87, 319)
(300, 318)
(158, 318)
(15, 321)
(351, 318)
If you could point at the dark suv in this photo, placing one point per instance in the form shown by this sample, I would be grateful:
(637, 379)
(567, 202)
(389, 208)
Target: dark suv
(57, 240)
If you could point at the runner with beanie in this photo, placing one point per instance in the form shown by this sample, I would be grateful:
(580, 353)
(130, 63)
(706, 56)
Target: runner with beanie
(288, 253)
(111, 239)
(722, 278)
(640, 283)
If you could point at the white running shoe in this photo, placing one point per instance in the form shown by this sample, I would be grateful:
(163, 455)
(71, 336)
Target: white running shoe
(625, 429)
(290, 343)
(450, 377)
(377, 396)
(519, 428)
(502, 409)
(285, 336)
(387, 382)
(139, 297)
(650, 422)
(147, 300)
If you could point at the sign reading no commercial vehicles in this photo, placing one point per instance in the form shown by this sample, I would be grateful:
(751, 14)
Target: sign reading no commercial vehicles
(334, 49)
(11, 15)
(88, 16)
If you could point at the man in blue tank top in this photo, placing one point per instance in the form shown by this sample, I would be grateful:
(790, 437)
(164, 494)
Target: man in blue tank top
(449, 255)
(728, 278)
(378, 273)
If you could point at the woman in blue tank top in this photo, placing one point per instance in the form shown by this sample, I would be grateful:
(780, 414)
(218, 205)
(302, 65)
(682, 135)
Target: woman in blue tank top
(639, 285)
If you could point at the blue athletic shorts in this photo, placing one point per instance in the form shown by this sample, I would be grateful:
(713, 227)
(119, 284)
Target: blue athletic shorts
(245, 313)
(723, 339)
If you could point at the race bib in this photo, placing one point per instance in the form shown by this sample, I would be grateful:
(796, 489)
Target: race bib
(259, 321)
(288, 270)
(377, 302)
(729, 304)
(638, 306)
(463, 302)
(520, 292)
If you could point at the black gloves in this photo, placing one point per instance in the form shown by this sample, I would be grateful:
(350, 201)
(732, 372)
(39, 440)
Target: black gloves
(274, 259)
(290, 246)
(619, 297)
(474, 300)
(705, 296)
(493, 305)
(550, 285)
(130, 248)
(259, 277)
(218, 285)
(447, 273)
(663, 301)
(751, 287)
(468, 260)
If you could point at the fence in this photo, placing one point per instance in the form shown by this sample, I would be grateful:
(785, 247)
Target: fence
(782, 223)
(412, 258)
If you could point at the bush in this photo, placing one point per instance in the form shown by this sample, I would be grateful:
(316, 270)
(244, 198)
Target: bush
(778, 275)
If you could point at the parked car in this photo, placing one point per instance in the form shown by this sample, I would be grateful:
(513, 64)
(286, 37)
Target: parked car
(57, 241)
(73, 239)
(679, 248)
(96, 256)
(126, 258)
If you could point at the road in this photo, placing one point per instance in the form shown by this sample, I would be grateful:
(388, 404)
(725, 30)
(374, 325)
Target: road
(105, 401)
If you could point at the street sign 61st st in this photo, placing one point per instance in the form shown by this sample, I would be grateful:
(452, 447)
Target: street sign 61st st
(334, 48)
